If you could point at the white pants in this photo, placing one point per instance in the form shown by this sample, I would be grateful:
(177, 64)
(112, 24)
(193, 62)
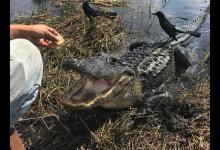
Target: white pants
(26, 70)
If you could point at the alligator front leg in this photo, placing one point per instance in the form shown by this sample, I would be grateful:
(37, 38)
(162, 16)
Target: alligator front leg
(181, 60)
(145, 105)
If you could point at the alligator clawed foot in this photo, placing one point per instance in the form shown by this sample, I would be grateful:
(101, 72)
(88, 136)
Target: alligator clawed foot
(142, 112)
(160, 95)
(144, 108)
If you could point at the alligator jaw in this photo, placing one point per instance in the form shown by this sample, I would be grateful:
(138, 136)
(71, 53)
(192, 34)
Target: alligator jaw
(85, 90)
(91, 92)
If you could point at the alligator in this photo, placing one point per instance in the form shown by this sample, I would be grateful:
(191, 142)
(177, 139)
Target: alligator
(138, 75)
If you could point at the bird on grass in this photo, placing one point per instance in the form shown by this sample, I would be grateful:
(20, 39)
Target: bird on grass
(92, 12)
(170, 29)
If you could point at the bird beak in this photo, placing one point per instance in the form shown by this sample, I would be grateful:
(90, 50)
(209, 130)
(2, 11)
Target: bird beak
(153, 13)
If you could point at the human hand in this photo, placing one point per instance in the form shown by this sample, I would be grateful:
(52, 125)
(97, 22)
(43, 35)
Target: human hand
(38, 34)
(42, 35)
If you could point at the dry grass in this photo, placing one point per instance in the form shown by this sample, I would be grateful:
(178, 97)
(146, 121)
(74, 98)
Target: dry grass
(108, 3)
(182, 123)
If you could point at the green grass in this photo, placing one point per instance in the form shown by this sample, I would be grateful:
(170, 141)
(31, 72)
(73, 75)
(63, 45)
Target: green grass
(181, 123)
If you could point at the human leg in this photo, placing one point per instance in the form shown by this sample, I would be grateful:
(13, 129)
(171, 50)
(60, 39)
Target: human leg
(26, 69)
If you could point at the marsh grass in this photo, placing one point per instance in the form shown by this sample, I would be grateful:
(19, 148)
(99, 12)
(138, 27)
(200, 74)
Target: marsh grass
(108, 3)
(181, 123)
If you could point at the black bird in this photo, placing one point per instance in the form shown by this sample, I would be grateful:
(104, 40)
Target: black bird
(170, 29)
(91, 12)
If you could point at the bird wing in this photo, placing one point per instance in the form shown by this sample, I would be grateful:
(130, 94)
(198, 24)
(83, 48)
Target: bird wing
(168, 26)
(90, 11)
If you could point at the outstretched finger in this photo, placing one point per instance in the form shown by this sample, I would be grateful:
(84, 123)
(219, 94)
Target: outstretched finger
(51, 37)
(53, 31)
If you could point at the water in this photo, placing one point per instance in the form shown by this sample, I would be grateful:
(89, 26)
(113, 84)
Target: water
(29, 7)
(140, 24)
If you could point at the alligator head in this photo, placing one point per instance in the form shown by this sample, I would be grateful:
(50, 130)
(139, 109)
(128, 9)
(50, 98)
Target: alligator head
(102, 83)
